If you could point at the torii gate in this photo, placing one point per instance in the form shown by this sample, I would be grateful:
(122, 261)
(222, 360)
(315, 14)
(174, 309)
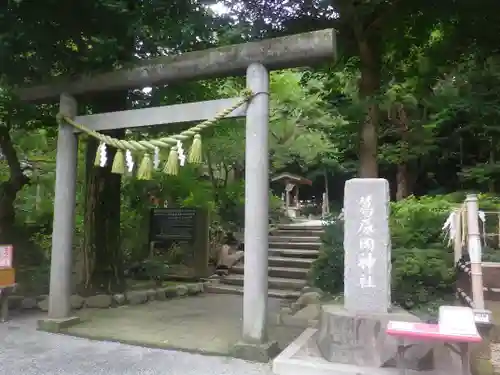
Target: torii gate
(253, 59)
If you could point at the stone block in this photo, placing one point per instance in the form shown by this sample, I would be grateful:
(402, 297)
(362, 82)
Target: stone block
(56, 325)
(360, 339)
(160, 294)
(309, 312)
(29, 303)
(76, 301)
(119, 299)
(182, 290)
(100, 301)
(257, 352)
(137, 297)
(367, 245)
(309, 298)
(303, 357)
(308, 289)
(171, 291)
(44, 304)
(194, 289)
(151, 293)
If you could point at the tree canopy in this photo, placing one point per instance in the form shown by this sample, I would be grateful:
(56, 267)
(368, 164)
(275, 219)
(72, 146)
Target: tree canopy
(412, 97)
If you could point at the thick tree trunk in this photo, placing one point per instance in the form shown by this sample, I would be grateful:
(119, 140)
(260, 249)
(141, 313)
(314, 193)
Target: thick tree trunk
(402, 182)
(369, 86)
(7, 212)
(9, 188)
(102, 258)
(327, 191)
(403, 174)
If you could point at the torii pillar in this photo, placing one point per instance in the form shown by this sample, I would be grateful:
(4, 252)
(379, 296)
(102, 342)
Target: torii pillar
(254, 59)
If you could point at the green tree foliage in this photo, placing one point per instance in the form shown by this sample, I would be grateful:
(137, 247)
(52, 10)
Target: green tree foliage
(412, 98)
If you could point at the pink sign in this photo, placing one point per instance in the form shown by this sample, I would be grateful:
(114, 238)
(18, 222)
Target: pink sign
(6, 254)
(425, 331)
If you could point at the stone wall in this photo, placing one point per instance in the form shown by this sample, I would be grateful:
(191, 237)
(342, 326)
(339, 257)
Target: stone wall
(104, 301)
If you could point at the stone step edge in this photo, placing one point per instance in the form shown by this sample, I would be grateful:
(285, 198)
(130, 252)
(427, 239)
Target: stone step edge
(275, 258)
(271, 279)
(238, 290)
(275, 268)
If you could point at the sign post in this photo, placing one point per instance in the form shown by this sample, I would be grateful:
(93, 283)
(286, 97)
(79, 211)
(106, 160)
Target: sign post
(184, 227)
(7, 279)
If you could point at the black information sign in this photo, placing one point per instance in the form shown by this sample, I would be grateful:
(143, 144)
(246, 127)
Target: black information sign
(170, 225)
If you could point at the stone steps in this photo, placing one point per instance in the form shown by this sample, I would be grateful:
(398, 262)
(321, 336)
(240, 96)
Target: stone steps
(281, 272)
(297, 232)
(284, 261)
(292, 251)
(294, 245)
(303, 228)
(294, 239)
(238, 290)
(273, 282)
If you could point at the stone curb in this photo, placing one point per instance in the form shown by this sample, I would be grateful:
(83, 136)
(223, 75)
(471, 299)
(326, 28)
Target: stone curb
(105, 301)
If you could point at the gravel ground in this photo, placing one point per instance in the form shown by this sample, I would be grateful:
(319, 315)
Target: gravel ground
(495, 356)
(25, 351)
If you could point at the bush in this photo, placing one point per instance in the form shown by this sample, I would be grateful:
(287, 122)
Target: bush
(418, 222)
(422, 265)
(421, 276)
(327, 272)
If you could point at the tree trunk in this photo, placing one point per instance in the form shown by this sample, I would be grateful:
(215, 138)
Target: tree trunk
(403, 176)
(369, 86)
(327, 191)
(491, 182)
(101, 253)
(402, 182)
(9, 188)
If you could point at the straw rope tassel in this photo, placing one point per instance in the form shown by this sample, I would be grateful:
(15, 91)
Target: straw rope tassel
(145, 169)
(172, 165)
(194, 155)
(118, 162)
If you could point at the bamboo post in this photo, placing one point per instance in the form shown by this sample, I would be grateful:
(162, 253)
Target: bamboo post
(498, 230)
(324, 207)
(474, 247)
(457, 239)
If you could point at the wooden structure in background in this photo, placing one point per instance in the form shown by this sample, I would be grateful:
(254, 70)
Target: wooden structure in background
(291, 183)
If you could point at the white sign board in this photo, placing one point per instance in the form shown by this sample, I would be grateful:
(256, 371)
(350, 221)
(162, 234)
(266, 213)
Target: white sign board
(482, 316)
(6, 255)
(457, 320)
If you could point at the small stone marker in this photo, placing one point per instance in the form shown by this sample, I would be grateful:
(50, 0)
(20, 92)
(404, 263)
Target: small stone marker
(367, 245)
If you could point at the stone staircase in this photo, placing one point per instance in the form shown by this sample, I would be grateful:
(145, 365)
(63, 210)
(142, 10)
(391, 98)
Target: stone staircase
(292, 249)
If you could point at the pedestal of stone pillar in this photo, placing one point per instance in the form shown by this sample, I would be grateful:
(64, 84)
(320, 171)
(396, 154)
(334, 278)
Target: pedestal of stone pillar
(360, 339)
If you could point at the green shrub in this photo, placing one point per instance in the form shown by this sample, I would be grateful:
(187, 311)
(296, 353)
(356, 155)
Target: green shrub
(421, 276)
(418, 222)
(327, 272)
(422, 264)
